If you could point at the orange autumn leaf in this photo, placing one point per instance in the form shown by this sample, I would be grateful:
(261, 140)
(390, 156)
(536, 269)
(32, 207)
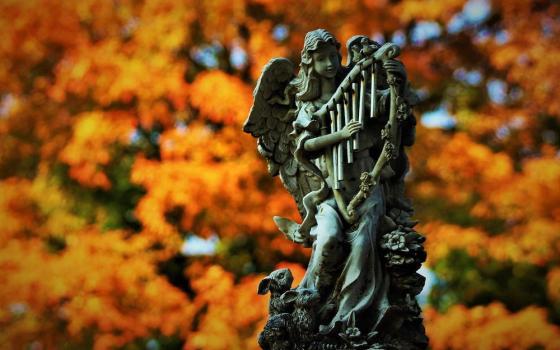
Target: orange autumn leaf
(95, 132)
(491, 327)
(120, 139)
(232, 97)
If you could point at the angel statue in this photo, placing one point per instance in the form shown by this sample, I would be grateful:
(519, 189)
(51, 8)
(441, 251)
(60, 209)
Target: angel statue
(335, 135)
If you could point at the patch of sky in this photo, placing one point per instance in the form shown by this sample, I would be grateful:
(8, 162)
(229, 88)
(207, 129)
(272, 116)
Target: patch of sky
(18, 309)
(238, 57)
(422, 93)
(476, 11)
(497, 91)
(134, 137)
(399, 38)
(438, 119)
(431, 280)
(482, 36)
(547, 27)
(280, 32)
(456, 24)
(181, 126)
(503, 132)
(470, 77)
(517, 122)
(501, 37)
(207, 55)
(152, 344)
(6, 104)
(523, 59)
(378, 38)
(197, 246)
(130, 26)
(425, 30)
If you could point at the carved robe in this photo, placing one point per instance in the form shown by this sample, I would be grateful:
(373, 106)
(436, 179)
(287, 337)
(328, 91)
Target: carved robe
(345, 265)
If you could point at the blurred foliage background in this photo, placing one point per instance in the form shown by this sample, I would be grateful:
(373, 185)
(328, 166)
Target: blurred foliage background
(135, 214)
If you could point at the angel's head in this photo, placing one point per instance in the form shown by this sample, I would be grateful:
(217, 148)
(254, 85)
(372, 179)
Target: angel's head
(320, 58)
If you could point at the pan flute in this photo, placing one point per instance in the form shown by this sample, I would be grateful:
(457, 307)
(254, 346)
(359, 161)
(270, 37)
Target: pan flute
(348, 103)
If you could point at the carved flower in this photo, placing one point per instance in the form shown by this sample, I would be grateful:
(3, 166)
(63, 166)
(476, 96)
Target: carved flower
(352, 335)
(385, 132)
(395, 259)
(366, 177)
(394, 241)
(403, 110)
(390, 150)
(352, 332)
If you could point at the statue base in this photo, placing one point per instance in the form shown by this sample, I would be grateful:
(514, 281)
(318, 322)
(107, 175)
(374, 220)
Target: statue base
(295, 315)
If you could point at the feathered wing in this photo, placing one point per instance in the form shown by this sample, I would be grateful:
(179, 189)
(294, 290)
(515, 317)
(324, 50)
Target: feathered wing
(270, 121)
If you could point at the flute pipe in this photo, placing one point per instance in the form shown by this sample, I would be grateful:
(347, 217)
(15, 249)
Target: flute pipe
(362, 101)
(332, 131)
(349, 150)
(387, 51)
(371, 72)
(339, 146)
(373, 102)
(355, 109)
(334, 151)
(354, 74)
(362, 98)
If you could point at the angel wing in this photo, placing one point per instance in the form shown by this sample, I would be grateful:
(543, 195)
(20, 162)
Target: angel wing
(270, 121)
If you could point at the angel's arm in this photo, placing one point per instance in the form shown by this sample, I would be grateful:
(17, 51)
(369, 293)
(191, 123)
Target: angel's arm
(320, 142)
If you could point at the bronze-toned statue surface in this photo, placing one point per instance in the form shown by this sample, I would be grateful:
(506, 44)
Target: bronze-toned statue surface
(336, 135)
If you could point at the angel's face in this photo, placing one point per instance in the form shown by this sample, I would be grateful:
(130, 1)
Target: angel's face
(325, 61)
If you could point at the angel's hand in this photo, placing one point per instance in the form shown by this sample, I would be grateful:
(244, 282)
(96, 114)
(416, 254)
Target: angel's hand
(395, 67)
(350, 129)
(298, 237)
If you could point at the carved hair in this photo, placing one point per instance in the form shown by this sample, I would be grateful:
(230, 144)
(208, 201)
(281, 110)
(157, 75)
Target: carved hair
(307, 83)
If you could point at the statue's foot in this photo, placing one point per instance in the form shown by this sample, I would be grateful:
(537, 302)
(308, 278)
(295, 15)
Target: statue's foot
(326, 313)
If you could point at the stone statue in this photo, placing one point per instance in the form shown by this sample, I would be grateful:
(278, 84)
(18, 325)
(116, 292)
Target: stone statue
(336, 135)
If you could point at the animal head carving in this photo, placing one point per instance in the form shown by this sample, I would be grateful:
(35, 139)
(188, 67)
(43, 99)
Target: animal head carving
(278, 281)
(303, 298)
